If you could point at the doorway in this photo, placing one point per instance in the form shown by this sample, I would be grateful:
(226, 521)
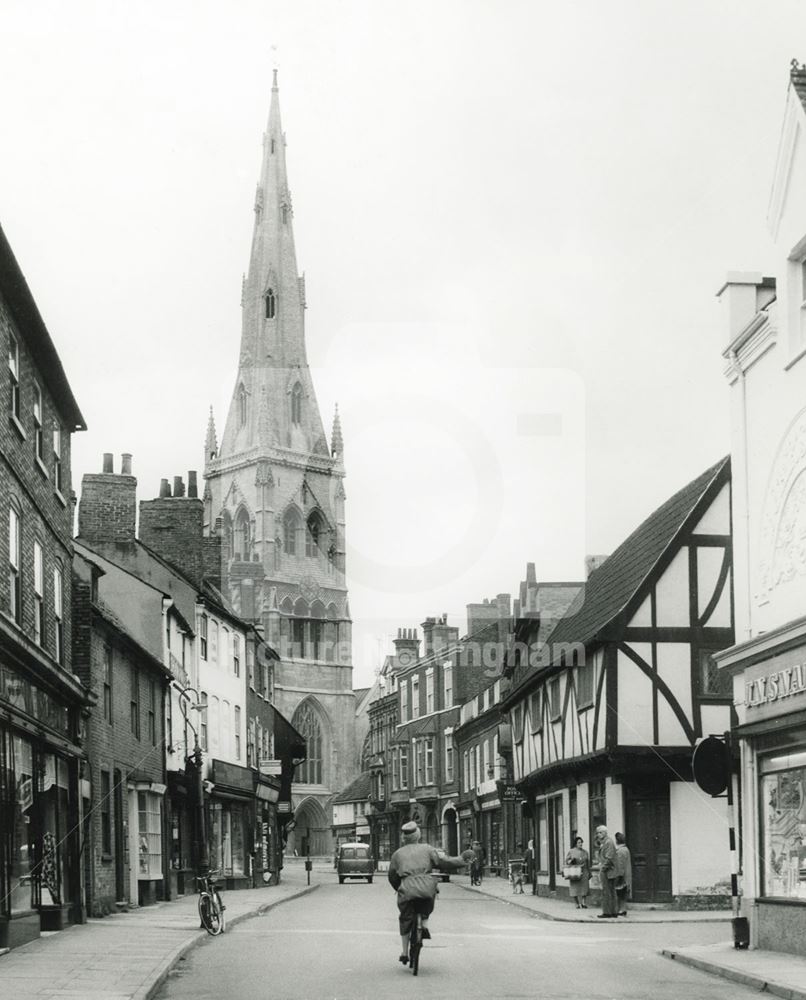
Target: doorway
(648, 833)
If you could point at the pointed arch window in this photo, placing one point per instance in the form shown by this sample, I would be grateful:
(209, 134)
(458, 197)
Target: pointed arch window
(241, 536)
(296, 404)
(272, 147)
(242, 405)
(305, 721)
(271, 304)
(313, 535)
(290, 529)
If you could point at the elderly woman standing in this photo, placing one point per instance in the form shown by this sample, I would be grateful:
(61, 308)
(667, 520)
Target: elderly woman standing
(623, 874)
(578, 888)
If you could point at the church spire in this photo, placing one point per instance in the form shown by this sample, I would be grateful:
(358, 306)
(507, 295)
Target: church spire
(273, 358)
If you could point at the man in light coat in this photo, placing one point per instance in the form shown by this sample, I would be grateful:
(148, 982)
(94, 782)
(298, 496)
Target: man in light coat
(607, 872)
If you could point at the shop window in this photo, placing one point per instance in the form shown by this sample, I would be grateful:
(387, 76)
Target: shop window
(39, 598)
(542, 845)
(14, 559)
(149, 835)
(597, 813)
(58, 613)
(781, 810)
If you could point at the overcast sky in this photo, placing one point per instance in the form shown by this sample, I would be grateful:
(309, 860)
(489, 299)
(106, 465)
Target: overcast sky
(512, 217)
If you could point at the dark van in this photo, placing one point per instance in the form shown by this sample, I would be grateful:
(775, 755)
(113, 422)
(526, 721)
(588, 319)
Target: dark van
(355, 861)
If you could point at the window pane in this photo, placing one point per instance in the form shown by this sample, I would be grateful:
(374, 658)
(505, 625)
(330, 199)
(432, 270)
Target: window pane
(782, 803)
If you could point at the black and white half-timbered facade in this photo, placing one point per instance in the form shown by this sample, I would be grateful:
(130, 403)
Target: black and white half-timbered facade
(606, 710)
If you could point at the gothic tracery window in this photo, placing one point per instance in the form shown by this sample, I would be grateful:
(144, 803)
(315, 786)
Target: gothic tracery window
(306, 723)
(271, 304)
(290, 529)
(312, 535)
(241, 536)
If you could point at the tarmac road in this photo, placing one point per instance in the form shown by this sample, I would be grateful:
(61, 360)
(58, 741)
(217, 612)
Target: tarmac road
(341, 942)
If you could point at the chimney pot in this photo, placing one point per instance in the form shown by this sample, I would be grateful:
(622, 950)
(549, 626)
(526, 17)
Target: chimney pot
(193, 486)
(125, 464)
(165, 489)
(108, 462)
(179, 487)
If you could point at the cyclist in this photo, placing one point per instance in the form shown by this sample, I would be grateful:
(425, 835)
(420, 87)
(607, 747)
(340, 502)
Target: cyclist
(416, 888)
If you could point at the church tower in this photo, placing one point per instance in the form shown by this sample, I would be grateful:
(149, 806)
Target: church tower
(274, 493)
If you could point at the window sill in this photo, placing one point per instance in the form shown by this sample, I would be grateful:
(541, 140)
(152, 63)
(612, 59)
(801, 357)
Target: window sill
(60, 497)
(41, 466)
(15, 423)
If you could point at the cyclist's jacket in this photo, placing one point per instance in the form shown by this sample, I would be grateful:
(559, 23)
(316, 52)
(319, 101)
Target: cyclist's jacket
(409, 868)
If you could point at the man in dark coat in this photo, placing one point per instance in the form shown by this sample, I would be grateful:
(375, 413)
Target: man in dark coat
(607, 872)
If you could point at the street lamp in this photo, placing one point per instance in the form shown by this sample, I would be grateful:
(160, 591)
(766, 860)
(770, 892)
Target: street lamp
(195, 760)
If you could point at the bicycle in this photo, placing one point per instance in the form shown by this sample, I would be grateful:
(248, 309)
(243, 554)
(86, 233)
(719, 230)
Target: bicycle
(211, 906)
(415, 943)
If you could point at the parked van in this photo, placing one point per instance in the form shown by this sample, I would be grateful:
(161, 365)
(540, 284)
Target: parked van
(355, 861)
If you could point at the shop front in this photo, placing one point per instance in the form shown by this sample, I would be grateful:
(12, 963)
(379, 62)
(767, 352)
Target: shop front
(230, 812)
(770, 694)
(39, 811)
(267, 855)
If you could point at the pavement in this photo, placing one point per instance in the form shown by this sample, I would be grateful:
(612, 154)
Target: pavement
(126, 956)
(550, 908)
(767, 971)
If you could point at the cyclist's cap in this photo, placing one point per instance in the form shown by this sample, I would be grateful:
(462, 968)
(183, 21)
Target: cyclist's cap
(410, 827)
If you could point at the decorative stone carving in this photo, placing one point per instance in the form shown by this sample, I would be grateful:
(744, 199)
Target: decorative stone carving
(783, 522)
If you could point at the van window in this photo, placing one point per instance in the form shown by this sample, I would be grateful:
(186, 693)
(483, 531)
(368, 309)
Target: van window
(348, 853)
(361, 852)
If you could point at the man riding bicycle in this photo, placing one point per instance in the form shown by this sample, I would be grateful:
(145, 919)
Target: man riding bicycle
(416, 888)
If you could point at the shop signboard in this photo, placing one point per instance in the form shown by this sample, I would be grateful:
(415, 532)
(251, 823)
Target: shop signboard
(269, 766)
(777, 686)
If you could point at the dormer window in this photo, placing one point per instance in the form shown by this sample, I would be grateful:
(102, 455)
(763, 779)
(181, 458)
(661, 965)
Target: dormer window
(242, 405)
(271, 304)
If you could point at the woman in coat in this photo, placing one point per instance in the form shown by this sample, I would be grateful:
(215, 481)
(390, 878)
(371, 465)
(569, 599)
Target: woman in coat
(623, 874)
(578, 888)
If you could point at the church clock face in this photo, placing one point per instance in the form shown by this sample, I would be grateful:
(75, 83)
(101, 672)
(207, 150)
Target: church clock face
(309, 589)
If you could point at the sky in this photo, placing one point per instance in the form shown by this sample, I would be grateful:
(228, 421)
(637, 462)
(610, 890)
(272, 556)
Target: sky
(513, 219)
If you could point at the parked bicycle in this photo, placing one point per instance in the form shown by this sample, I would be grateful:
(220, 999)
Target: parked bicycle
(211, 905)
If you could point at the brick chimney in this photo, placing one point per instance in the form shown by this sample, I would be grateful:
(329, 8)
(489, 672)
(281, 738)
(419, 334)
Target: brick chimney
(172, 527)
(407, 647)
(107, 511)
(480, 615)
(438, 634)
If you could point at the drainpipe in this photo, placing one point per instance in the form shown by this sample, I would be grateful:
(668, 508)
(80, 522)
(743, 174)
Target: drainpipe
(737, 367)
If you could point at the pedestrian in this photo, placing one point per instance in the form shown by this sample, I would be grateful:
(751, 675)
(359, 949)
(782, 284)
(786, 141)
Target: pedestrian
(607, 872)
(579, 887)
(469, 858)
(529, 863)
(478, 863)
(516, 869)
(623, 874)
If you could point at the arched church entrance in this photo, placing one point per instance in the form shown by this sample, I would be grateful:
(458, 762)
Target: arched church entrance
(312, 834)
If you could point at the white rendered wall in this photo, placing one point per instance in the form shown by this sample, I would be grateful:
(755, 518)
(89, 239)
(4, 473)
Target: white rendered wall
(699, 831)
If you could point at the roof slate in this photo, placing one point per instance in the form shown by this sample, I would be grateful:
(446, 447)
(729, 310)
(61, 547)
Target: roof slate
(357, 791)
(610, 587)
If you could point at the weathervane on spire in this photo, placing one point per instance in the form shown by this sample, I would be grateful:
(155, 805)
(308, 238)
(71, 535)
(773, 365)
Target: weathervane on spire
(275, 67)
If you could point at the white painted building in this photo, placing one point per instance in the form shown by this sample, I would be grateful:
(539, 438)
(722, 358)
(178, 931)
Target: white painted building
(765, 364)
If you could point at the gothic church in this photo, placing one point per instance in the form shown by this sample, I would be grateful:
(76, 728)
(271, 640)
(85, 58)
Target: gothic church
(274, 492)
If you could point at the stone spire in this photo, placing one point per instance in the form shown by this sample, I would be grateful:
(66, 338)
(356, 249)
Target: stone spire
(210, 442)
(272, 357)
(336, 439)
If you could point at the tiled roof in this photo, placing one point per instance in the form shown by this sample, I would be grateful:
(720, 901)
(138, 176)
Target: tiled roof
(357, 791)
(610, 587)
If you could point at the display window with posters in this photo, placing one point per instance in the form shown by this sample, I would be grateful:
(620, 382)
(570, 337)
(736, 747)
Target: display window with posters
(782, 815)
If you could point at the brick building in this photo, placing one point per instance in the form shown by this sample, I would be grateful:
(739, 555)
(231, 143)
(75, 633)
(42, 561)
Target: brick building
(126, 856)
(41, 699)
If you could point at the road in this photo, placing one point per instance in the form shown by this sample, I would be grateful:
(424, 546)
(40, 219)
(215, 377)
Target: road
(341, 943)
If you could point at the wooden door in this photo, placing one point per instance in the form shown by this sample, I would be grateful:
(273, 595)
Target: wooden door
(648, 836)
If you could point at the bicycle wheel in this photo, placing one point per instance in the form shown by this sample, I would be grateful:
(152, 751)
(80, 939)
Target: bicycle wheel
(220, 904)
(210, 914)
(415, 944)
